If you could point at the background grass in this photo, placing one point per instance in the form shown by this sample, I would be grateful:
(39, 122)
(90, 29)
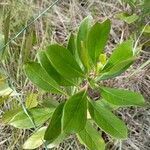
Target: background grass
(55, 26)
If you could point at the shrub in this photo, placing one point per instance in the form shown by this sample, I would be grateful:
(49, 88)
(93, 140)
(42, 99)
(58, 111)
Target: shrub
(75, 72)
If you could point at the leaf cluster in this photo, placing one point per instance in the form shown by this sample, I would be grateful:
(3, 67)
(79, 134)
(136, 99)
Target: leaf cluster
(73, 71)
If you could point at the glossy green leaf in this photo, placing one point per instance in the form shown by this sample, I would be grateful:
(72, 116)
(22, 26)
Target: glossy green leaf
(90, 137)
(46, 64)
(63, 61)
(41, 78)
(122, 97)
(117, 69)
(35, 140)
(82, 40)
(97, 39)
(75, 113)
(31, 100)
(121, 53)
(107, 121)
(38, 115)
(54, 128)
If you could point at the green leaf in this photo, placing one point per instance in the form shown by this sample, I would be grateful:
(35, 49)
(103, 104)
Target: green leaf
(121, 53)
(75, 113)
(97, 39)
(107, 121)
(55, 143)
(54, 128)
(127, 18)
(72, 47)
(107, 105)
(90, 137)
(35, 140)
(117, 69)
(46, 64)
(63, 61)
(72, 44)
(31, 100)
(8, 115)
(122, 97)
(82, 40)
(41, 78)
(84, 56)
(38, 115)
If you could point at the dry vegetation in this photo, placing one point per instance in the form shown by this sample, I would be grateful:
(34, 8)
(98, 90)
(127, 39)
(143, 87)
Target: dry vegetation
(55, 26)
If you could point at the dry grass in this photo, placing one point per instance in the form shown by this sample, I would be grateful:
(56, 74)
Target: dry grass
(55, 26)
